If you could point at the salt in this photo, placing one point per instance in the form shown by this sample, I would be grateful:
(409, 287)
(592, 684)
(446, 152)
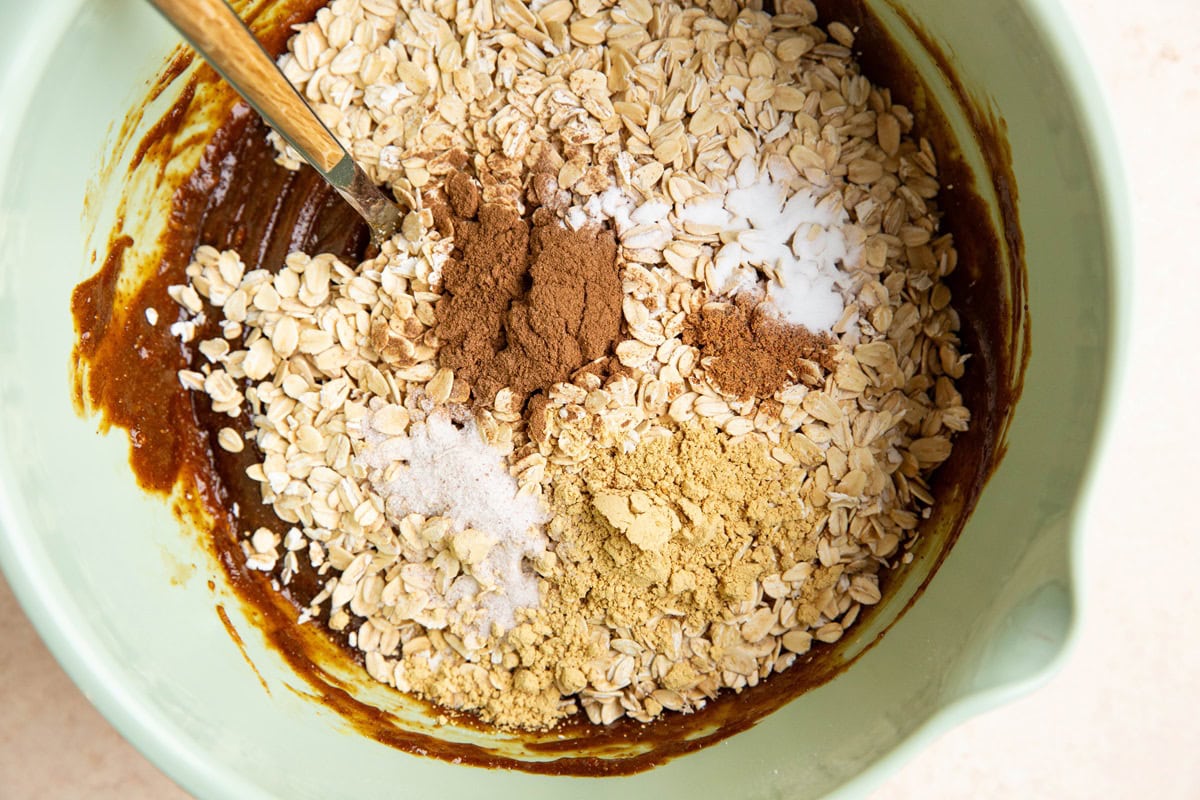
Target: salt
(442, 469)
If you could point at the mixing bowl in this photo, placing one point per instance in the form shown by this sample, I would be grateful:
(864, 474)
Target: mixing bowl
(127, 600)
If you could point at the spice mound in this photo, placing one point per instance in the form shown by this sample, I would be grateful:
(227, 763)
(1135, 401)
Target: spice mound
(644, 401)
(523, 305)
(752, 353)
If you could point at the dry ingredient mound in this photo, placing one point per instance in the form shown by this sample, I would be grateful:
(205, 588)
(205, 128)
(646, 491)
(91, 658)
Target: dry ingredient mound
(750, 352)
(726, 493)
(525, 302)
(440, 469)
(684, 525)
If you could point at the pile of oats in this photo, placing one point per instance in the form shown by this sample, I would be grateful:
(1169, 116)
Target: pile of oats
(632, 114)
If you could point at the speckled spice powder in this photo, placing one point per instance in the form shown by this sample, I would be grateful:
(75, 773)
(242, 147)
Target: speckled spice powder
(754, 354)
(526, 302)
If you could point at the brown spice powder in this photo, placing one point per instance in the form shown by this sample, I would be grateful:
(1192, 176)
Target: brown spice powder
(751, 353)
(525, 302)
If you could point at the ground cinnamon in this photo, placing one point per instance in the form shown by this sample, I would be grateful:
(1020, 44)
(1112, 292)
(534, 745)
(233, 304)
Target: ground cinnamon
(751, 352)
(525, 302)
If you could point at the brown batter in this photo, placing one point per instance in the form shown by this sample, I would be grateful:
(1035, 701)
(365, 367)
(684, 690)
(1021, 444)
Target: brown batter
(240, 199)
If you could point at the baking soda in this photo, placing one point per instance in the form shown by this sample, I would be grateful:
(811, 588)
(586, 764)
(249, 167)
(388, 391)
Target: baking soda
(803, 241)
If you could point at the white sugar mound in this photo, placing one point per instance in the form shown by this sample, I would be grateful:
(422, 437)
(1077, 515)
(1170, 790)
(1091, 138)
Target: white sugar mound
(441, 469)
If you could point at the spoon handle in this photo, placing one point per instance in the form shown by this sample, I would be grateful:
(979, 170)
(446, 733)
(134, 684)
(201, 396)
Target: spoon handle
(214, 29)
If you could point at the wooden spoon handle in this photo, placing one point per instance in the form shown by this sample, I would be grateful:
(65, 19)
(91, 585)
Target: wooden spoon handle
(214, 29)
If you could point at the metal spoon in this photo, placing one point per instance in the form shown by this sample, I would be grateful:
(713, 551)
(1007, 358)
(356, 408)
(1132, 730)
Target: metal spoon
(216, 32)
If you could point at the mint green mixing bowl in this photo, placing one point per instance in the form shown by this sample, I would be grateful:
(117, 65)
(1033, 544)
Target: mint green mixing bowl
(121, 596)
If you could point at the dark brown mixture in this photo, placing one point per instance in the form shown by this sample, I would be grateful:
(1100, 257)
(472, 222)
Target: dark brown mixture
(525, 302)
(752, 352)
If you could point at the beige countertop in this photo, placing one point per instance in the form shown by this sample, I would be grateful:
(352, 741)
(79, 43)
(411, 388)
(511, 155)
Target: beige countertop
(1119, 720)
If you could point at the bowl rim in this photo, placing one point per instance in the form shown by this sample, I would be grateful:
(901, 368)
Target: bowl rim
(1092, 106)
(156, 738)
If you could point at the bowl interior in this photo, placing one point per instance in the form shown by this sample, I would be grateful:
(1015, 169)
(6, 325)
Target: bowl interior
(124, 599)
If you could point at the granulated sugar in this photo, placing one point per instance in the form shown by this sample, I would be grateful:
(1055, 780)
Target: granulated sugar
(442, 469)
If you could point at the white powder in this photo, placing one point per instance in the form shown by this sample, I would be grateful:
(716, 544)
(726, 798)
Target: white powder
(769, 224)
(640, 227)
(440, 469)
(800, 237)
(709, 212)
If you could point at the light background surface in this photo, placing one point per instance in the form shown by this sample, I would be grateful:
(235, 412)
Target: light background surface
(1120, 720)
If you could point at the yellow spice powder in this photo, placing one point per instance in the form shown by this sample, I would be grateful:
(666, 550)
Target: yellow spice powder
(687, 523)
